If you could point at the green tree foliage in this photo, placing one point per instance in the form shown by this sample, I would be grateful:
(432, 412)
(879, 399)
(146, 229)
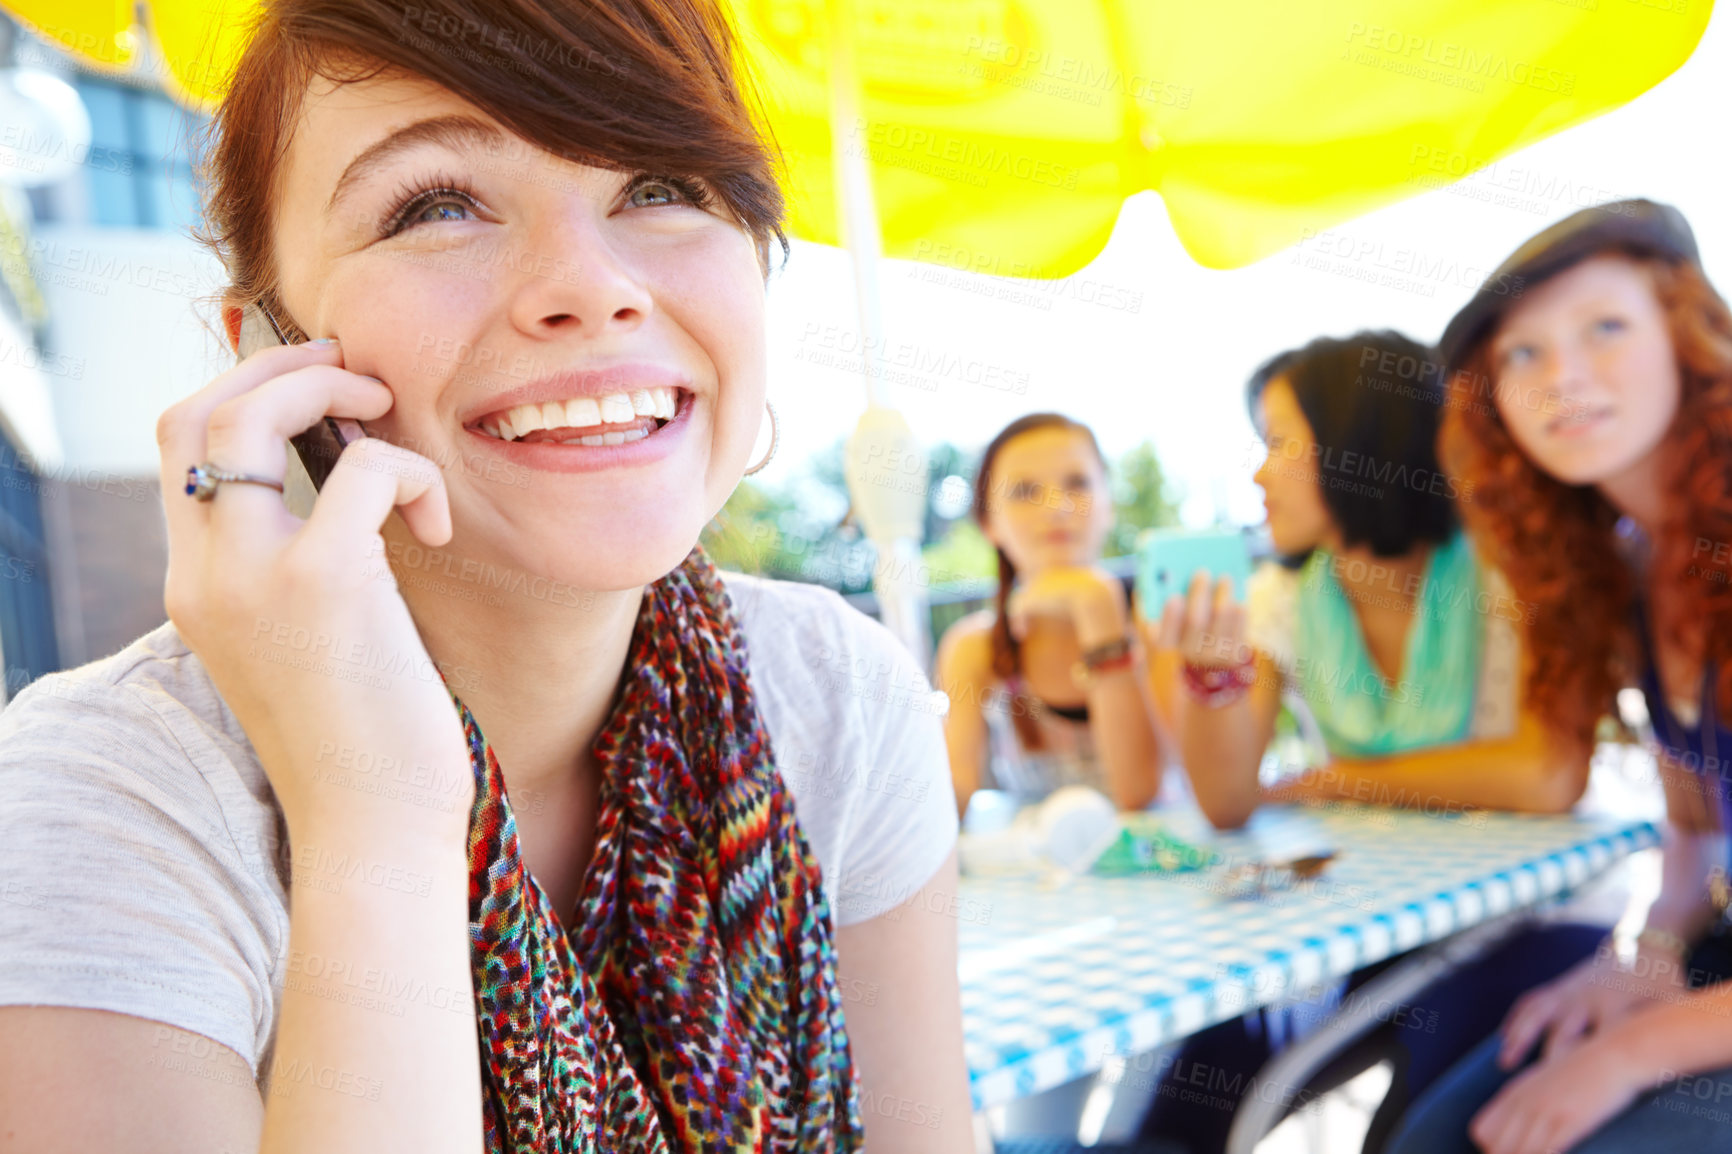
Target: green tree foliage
(794, 529)
(798, 529)
(1142, 499)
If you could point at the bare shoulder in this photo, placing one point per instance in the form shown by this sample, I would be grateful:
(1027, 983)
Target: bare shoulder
(76, 1080)
(965, 653)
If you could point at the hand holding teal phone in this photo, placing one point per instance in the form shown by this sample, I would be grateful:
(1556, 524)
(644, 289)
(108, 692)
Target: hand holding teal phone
(1168, 558)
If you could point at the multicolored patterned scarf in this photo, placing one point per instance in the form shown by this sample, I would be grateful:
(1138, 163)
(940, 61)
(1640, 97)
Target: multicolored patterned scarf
(693, 1006)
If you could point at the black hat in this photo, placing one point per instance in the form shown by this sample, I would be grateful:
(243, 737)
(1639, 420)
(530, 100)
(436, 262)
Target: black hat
(1637, 226)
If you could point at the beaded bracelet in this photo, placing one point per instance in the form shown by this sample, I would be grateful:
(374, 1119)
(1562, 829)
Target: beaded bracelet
(1113, 657)
(1115, 654)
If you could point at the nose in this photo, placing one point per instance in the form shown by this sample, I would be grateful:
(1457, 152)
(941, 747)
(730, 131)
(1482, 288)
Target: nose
(1563, 371)
(575, 281)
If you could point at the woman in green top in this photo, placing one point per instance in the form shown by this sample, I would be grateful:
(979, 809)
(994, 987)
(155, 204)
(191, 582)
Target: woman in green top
(1400, 653)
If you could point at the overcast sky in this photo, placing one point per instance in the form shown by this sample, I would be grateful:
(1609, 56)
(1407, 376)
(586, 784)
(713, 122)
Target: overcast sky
(1173, 369)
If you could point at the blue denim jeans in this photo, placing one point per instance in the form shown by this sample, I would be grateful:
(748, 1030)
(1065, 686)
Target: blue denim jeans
(1445, 1023)
(1692, 1114)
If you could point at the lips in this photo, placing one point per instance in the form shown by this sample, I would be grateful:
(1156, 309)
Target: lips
(1578, 419)
(566, 450)
(608, 415)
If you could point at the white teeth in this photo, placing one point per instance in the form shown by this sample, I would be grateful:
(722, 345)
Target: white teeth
(581, 412)
(616, 408)
(593, 441)
(631, 435)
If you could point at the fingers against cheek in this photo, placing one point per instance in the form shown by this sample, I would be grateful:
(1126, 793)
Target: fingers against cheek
(371, 478)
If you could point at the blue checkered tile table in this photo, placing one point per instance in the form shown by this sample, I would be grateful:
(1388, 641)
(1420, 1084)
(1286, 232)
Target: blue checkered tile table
(1057, 977)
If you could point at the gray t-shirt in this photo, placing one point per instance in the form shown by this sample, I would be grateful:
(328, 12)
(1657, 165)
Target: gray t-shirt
(145, 867)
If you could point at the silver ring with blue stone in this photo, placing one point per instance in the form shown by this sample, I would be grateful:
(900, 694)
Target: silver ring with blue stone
(202, 480)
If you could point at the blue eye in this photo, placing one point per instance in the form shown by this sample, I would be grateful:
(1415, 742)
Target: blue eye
(1516, 355)
(1610, 325)
(431, 206)
(444, 210)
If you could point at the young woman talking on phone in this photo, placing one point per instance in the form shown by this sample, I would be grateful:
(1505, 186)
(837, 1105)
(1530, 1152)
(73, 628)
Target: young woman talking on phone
(477, 811)
(1399, 645)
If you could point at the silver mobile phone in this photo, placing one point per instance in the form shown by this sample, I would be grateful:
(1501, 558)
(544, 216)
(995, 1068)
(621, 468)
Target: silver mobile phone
(316, 448)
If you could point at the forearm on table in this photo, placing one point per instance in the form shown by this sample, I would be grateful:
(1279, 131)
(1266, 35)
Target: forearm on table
(1222, 748)
(1517, 774)
(376, 1045)
(1122, 723)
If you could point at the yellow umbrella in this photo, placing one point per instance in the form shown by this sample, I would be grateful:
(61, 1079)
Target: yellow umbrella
(1003, 135)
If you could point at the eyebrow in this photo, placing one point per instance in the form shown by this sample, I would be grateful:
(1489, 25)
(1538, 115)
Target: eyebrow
(454, 132)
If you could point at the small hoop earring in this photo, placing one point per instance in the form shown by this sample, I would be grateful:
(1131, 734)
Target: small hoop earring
(775, 436)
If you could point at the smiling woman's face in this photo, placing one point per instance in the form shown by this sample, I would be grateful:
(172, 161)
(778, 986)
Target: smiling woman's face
(1587, 380)
(477, 275)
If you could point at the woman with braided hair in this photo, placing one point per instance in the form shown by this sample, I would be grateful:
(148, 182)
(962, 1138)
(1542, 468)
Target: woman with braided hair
(474, 809)
(1044, 687)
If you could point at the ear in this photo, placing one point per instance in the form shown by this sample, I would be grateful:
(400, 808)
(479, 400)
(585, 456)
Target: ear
(232, 325)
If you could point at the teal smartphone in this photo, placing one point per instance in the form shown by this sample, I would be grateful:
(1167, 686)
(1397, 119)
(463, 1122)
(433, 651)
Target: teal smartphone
(1168, 558)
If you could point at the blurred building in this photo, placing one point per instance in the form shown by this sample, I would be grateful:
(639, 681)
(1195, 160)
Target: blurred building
(106, 303)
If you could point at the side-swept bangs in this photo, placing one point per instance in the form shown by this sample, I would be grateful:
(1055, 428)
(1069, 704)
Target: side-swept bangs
(635, 85)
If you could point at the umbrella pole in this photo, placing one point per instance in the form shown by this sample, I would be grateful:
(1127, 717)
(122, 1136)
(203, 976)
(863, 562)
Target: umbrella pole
(886, 466)
(856, 212)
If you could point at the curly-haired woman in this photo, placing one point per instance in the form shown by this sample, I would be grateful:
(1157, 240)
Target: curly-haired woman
(632, 890)
(1594, 409)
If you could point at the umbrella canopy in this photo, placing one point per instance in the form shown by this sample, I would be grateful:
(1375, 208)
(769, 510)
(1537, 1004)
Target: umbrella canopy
(1003, 135)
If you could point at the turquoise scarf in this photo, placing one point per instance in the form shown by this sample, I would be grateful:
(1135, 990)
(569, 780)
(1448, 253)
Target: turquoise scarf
(1361, 713)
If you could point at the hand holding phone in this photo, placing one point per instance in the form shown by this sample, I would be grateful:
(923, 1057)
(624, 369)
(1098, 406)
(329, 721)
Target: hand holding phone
(1167, 559)
(317, 448)
(286, 612)
(1191, 586)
